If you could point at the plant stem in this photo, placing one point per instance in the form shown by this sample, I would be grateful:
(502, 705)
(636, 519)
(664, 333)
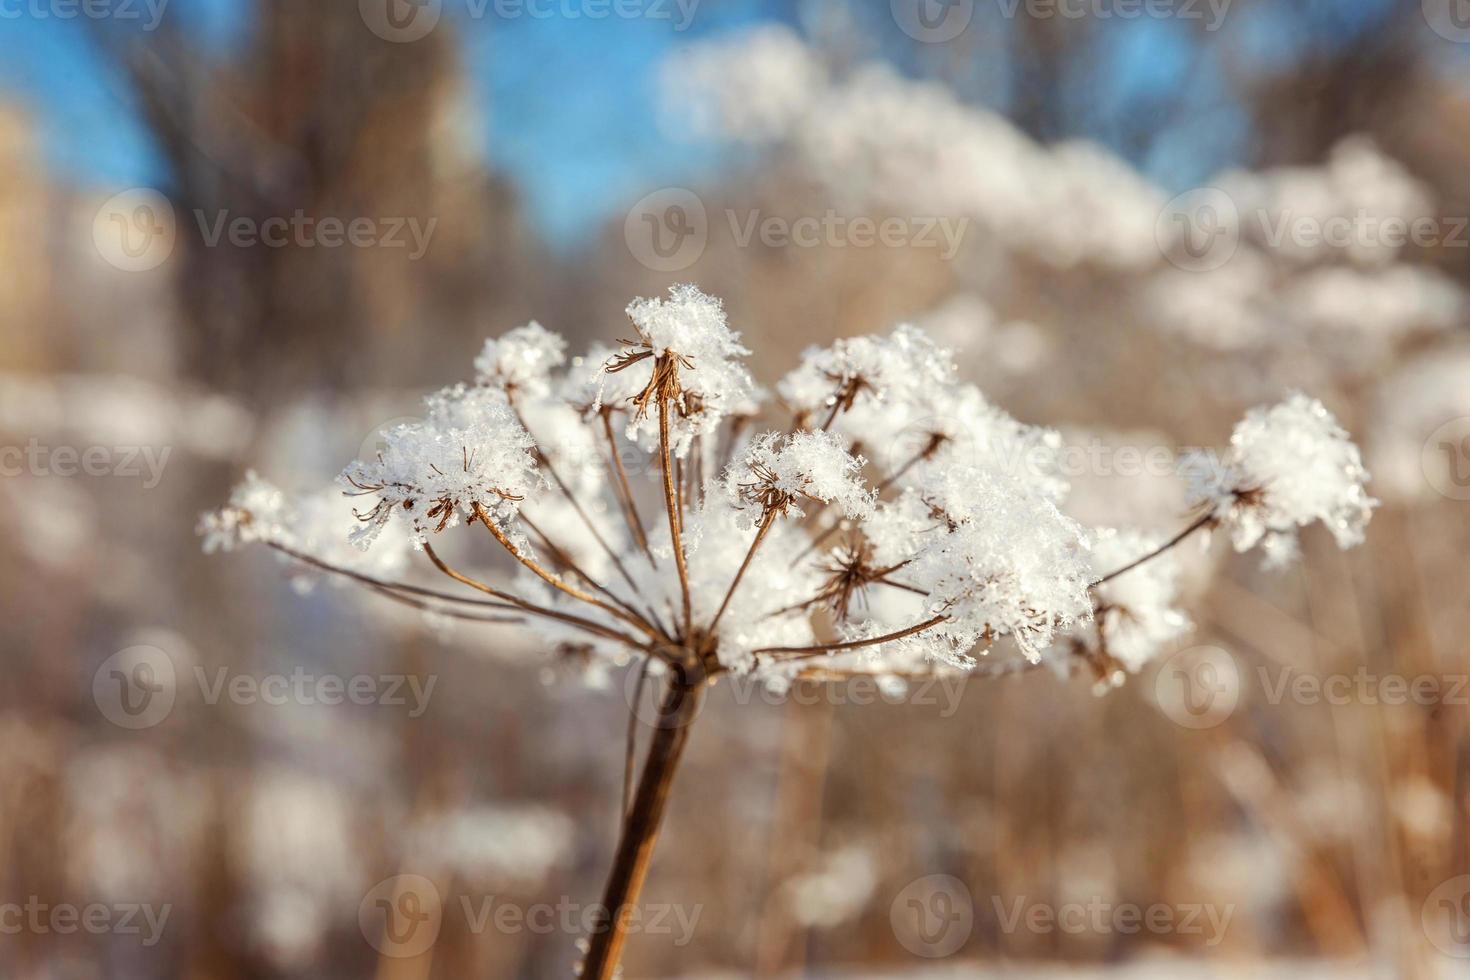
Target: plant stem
(630, 506)
(765, 526)
(640, 828)
(1205, 521)
(554, 581)
(671, 504)
(852, 644)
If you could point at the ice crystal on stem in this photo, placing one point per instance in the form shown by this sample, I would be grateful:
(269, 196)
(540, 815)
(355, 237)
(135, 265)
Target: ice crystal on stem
(902, 526)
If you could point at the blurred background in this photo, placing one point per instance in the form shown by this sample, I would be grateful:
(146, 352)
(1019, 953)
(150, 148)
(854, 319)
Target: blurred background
(249, 233)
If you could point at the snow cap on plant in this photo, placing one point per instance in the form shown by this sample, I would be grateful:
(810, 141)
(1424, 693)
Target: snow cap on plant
(470, 459)
(775, 472)
(685, 357)
(521, 360)
(1288, 465)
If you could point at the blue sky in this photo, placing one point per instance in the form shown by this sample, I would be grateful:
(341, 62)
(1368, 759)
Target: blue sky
(570, 104)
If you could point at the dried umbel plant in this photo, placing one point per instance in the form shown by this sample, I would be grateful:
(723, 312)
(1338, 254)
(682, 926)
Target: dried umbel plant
(778, 555)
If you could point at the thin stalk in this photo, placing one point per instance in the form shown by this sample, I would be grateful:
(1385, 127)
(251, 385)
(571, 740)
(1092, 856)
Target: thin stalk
(438, 610)
(1204, 521)
(630, 507)
(565, 559)
(851, 644)
(671, 504)
(385, 586)
(635, 621)
(577, 505)
(640, 829)
(917, 458)
(530, 607)
(766, 522)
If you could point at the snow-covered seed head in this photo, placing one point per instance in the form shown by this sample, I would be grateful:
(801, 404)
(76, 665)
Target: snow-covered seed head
(1288, 465)
(775, 472)
(686, 356)
(445, 469)
(959, 543)
(521, 360)
(996, 559)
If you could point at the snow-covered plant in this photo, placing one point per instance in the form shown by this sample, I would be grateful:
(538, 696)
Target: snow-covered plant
(892, 523)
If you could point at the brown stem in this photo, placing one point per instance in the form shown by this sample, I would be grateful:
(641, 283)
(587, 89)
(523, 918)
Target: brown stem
(1204, 521)
(671, 504)
(577, 506)
(555, 582)
(766, 522)
(852, 644)
(384, 586)
(640, 829)
(530, 607)
(630, 507)
(570, 564)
